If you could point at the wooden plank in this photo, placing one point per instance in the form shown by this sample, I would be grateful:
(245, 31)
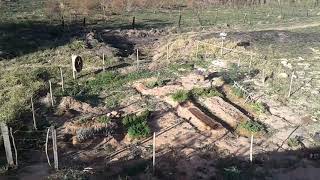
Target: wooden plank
(7, 144)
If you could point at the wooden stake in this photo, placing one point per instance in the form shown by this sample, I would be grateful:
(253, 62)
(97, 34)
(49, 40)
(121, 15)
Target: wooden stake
(290, 87)
(7, 144)
(239, 62)
(167, 52)
(62, 80)
(221, 50)
(103, 62)
(33, 115)
(14, 146)
(46, 146)
(133, 22)
(51, 94)
(263, 76)
(74, 74)
(137, 58)
(55, 148)
(251, 148)
(154, 152)
(197, 49)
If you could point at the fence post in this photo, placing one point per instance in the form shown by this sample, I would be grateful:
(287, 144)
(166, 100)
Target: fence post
(221, 50)
(46, 146)
(51, 94)
(55, 148)
(133, 22)
(167, 52)
(62, 80)
(154, 153)
(197, 49)
(103, 62)
(251, 148)
(137, 58)
(7, 144)
(14, 146)
(290, 86)
(33, 115)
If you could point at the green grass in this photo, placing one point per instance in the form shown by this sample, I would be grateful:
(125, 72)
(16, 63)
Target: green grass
(157, 83)
(137, 125)
(181, 96)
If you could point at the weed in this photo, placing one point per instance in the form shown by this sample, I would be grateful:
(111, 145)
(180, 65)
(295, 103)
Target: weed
(294, 142)
(181, 96)
(137, 125)
(238, 92)
(250, 127)
(206, 92)
(153, 84)
(258, 107)
(103, 119)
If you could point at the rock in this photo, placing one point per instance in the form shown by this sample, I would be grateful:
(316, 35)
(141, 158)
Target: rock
(316, 137)
(283, 75)
(114, 113)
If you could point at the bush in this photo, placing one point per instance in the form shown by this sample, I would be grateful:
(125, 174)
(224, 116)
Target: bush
(258, 107)
(153, 84)
(137, 126)
(206, 92)
(181, 96)
(103, 119)
(252, 126)
(294, 142)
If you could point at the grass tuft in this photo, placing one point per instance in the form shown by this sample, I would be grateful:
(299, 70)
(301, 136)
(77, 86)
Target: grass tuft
(181, 96)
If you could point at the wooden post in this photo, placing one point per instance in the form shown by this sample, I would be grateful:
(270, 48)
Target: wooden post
(55, 148)
(33, 115)
(137, 58)
(74, 74)
(51, 94)
(221, 50)
(179, 22)
(251, 148)
(46, 146)
(197, 49)
(167, 52)
(154, 152)
(133, 22)
(62, 80)
(84, 22)
(263, 76)
(290, 86)
(14, 146)
(103, 63)
(7, 144)
(239, 62)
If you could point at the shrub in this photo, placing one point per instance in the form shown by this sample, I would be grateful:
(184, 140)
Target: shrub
(103, 119)
(206, 92)
(137, 125)
(238, 92)
(258, 107)
(293, 142)
(252, 126)
(181, 96)
(153, 84)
